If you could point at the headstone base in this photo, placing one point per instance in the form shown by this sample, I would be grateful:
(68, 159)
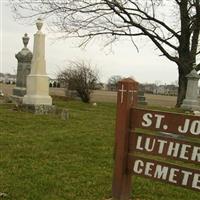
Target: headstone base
(38, 109)
(190, 105)
(45, 109)
(37, 100)
(19, 91)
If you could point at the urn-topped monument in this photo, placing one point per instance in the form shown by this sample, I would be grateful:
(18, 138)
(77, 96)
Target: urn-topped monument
(24, 58)
(37, 81)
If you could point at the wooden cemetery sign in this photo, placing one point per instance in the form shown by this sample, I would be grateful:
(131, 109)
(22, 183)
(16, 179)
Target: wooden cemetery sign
(140, 133)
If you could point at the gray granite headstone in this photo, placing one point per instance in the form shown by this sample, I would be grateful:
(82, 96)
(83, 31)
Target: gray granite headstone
(141, 98)
(24, 58)
(191, 102)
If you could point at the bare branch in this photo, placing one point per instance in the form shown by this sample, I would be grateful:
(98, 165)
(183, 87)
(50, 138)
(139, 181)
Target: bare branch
(198, 67)
(195, 31)
(119, 18)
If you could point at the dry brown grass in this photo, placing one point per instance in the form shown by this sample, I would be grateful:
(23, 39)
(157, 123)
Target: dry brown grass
(105, 96)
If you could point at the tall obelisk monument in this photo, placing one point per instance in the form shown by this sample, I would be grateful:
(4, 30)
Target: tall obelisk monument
(37, 81)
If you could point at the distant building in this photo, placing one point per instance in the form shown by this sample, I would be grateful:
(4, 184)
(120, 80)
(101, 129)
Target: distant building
(171, 90)
(161, 89)
(148, 88)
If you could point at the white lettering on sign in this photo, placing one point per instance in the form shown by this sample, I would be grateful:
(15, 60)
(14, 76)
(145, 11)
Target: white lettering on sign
(137, 167)
(196, 181)
(149, 145)
(184, 151)
(195, 127)
(148, 169)
(185, 127)
(148, 120)
(173, 175)
(192, 126)
(139, 143)
(196, 154)
(161, 144)
(161, 172)
(167, 173)
(158, 120)
(172, 149)
(186, 175)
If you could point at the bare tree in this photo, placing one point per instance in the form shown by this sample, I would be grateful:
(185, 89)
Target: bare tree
(112, 82)
(172, 25)
(81, 77)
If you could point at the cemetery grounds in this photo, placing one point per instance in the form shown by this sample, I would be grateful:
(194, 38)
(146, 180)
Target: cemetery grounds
(46, 158)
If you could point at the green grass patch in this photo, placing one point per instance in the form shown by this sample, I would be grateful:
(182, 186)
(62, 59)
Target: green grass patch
(45, 158)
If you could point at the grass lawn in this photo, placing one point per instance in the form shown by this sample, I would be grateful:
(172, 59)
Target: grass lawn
(46, 158)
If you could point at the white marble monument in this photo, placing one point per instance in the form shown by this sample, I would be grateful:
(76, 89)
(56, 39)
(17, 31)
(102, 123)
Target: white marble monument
(37, 92)
(191, 101)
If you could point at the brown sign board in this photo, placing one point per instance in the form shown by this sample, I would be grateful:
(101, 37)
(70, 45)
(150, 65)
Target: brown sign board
(165, 147)
(186, 125)
(168, 173)
(129, 120)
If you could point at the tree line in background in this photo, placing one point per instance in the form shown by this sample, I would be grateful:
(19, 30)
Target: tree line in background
(80, 79)
(151, 88)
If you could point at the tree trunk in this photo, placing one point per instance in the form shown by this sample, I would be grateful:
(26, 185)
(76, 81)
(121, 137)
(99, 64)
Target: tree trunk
(185, 61)
(182, 89)
(184, 68)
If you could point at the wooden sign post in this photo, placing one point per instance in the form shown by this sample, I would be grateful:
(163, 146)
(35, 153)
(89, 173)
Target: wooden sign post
(153, 133)
(126, 98)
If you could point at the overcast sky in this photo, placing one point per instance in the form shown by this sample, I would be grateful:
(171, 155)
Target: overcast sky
(145, 66)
